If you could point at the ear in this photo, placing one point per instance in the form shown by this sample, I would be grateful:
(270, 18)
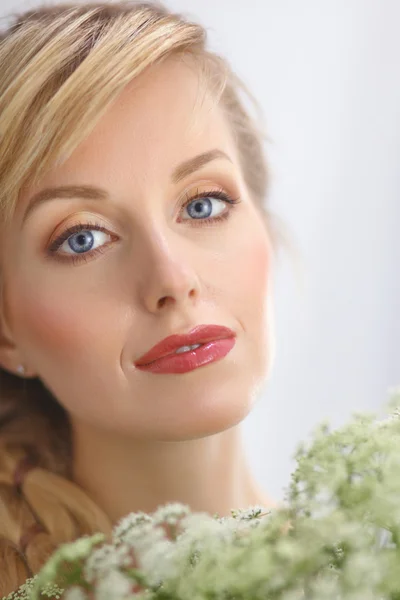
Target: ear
(10, 356)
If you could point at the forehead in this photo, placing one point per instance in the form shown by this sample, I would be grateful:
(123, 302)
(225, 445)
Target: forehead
(160, 118)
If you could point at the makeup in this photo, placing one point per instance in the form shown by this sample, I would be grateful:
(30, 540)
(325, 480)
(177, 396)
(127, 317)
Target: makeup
(191, 359)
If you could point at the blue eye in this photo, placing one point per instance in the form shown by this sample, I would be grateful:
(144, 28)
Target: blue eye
(201, 205)
(80, 238)
(83, 240)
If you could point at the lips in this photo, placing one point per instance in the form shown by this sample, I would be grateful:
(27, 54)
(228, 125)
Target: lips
(199, 335)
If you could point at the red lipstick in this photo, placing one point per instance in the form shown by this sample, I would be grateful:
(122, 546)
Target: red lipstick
(216, 341)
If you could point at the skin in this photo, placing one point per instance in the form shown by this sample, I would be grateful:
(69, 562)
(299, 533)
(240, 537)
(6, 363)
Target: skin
(141, 440)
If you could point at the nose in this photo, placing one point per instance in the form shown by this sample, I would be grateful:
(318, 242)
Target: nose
(168, 276)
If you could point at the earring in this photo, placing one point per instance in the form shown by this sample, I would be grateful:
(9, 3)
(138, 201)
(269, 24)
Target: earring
(21, 369)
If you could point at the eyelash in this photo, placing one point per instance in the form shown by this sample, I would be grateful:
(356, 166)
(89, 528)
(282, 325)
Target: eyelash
(83, 257)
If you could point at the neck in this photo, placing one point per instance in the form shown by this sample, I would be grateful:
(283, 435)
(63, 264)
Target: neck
(209, 474)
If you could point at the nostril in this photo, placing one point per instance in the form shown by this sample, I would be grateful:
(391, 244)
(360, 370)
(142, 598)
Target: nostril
(161, 302)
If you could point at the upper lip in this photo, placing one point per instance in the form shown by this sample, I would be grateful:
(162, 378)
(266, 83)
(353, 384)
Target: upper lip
(198, 335)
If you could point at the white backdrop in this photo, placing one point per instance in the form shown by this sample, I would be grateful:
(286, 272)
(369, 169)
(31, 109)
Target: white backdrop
(327, 73)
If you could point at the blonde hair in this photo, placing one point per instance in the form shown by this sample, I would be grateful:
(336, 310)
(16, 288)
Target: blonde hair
(60, 69)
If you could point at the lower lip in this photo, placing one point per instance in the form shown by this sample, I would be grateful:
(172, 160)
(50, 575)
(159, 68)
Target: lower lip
(188, 361)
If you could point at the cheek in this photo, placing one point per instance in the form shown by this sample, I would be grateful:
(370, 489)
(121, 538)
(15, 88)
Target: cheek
(252, 273)
(256, 270)
(53, 327)
(253, 297)
(62, 329)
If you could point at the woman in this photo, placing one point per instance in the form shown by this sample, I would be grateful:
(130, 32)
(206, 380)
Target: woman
(157, 228)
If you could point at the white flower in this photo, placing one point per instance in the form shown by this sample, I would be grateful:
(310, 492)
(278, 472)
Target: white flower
(171, 513)
(74, 593)
(103, 559)
(114, 585)
(129, 522)
(157, 562)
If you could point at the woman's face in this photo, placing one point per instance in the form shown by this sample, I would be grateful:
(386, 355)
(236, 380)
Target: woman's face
(81, 318)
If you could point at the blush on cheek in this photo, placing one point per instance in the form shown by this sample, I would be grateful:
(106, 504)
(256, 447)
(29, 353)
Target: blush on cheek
(253, 269)
(260, 265)
(53, 330)
(254, 289)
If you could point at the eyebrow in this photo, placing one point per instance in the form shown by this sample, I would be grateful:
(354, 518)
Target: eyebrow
(91, 192)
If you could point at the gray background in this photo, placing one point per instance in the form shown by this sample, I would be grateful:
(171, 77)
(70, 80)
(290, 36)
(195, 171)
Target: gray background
(327, 74)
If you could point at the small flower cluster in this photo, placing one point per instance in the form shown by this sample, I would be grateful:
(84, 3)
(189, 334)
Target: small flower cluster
(337, 536)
